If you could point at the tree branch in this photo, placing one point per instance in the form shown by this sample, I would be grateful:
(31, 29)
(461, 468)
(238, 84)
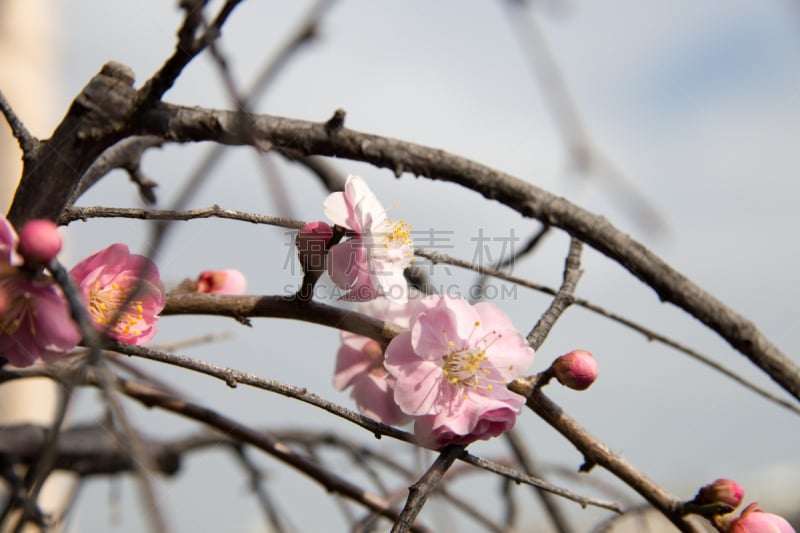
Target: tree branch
(184, 124)
(595, 452)
(27, 142)
(419, 491)
(97, 119)
(71, 214)
(564, 296)
(230, 428)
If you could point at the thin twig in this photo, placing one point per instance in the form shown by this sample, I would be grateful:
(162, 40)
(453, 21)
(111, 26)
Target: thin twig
(127, 155)
(271, 513)
(27, 142)
(525, 460)
(362, 455)
(186, 49)
(519, 477)
(143, 465)
(527, 248)
(73, 213)
(303, 34)
(234, 377)
(132, 440)
(597, 453)
(155, 398)
(39, 472)
(419, 491)
(564, 296)
(584, 153)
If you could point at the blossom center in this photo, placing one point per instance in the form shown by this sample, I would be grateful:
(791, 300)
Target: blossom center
(19, 309)
(465, 366)
(398, 235)
(105, 303)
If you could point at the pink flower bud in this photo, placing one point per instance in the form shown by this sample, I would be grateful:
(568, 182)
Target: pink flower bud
(720, 491)
(311, 242)
(39, 241)
(576, 370)
(753, 520)
(221, 282)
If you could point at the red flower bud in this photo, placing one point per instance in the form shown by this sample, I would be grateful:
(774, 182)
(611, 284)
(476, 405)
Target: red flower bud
(720, 491)
(39, 241)
(311, 242)
(576, 370)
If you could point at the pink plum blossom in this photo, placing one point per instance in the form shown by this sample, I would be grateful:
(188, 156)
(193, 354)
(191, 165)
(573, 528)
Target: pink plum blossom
(754, 520)
(8, 243)
(35, 320)
(576, 370)
(110, 278)
(39, 241)
(452, 368)
(371, 263)
(359, 363)
(228, 281)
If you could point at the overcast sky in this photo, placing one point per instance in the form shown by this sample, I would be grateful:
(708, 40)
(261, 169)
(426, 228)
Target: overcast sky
(698, 103)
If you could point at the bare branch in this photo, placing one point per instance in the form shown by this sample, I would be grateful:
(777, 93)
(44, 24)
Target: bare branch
(187, 48)
(597, 453)
(127, 155)
(27, 142)
(519, 477)
(240, 307)
(563, 299)
(650, 334)
(97, 119)
(233, 377)
(83, 213)
(525, 460)
(232, 429)
(72, 214)
(183, 124)
(419, 491)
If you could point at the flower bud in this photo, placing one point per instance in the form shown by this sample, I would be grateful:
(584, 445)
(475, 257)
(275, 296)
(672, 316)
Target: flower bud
(576, 370)
(720, 491)
(754, 519)
(311, 242)
(39, 241)
(221, 282)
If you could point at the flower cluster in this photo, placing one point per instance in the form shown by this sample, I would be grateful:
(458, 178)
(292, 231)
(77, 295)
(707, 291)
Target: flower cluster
(448, 370)
(122, 292)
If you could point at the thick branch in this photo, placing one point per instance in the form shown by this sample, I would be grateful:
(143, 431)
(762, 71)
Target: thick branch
(85, 450)
(96, 120)
(183, 124)
(240, 307)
